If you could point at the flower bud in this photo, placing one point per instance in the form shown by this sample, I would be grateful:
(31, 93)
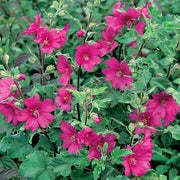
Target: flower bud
(65, 6)
(13, 89)
(20, 77)
(4, 74)
(50, 69)
(141, 125)
(17, 104)
(90, 5)
(55, 5)
(62, 13)
(50, 15)
(92, 25)
(6, 58)
(131, 127)
(177, 66)
(32, 59)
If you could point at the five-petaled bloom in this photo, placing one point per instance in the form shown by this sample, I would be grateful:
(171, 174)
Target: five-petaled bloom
(108, 45)
(64, 68)
(148, 119)
(164, 105)
(33, 28)
(87, 56)
(51, 39)
(70, 137)
(137, 162)
(117, 73)
(64, 99)
(36, 113)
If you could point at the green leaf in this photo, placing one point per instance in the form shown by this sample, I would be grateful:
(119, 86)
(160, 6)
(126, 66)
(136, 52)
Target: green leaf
(161, 169)
(6, 162)
(157, 149)
(16, 145)
(171, 26)
(7, 47)
(37, 166)
(162, 83)
(177, 81)
(81, 159)
(173, 173)
(162, 177)
(175, 131)
(98, 168)
(147, 176)
(98, 91)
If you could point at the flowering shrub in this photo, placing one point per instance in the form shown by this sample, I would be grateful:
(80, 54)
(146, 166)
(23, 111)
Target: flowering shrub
(89, 90)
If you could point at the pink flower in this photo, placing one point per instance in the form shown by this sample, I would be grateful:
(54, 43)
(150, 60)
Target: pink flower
(137, 162)
(108, 45)
(64, 99)
(8, 89)
(64, 68)
(145, 10)
(117, 74)
(70, 137)
(87, 56)
(36, 113)
(22, 77)
(98, 143)
(33, 28)
(80, 34)
(113, 21)
(148, 119)
(97, 119)
(133, 44)
(87, 136)
(164, 105)
(9, 110)
(51, 39)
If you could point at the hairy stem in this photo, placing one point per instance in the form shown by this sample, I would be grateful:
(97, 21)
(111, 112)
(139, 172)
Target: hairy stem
(119, 55)
(140, 49)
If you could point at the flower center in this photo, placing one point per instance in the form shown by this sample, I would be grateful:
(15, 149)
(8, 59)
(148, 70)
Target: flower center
(132, 161)
(119, 72)
(68, 70)
(35, 113)
(66, 99)
(163, 101)
(85, 57)
(73, 138)
(45, 42)
(109, 45)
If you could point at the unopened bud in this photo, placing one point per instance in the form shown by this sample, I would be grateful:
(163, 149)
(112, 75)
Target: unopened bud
(55, 5)
(93, 115)
(32, 59)
(4, 74)
(141, 125)
(17, 104)
(160, 75)
(13, 89)
(177, 66)
(90, 5)
(1, 51)
(50, 69)
(65, 6)
(131, 127)
(92, 25)
(6, 58)
(132, 63)
(50, 15)
(62, 13)
(20, 77)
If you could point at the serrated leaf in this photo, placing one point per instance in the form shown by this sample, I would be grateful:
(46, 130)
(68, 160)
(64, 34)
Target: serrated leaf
(157, 149)
(16, 145)
(60, 167)
(37, 166)
(98, 91)
(22, 58)
(98, 169)
(161, 83)
(161, 169)
(175, 131)
(177, 81)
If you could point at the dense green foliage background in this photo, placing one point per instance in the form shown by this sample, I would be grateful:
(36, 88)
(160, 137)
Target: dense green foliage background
(39, 155)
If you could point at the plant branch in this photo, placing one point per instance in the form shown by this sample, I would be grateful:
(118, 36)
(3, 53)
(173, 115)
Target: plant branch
(140, 49)
(119, 55)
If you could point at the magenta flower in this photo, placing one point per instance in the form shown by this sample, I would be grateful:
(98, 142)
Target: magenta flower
(145, 11)
(117, 73)
(9, 110)
(133, 44)
(113, 21)
(8, 89)
(148, 119)
(137, 162)
(97, 119)
(164, 105)
(22, 77)
(64, 68)
(70, 137)
(33, 28)
(87, 136)
(51, 39)
(98, 143)
(80, 34)
(36, 113)
(87, 56)
(108, 45)
(64, 99)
